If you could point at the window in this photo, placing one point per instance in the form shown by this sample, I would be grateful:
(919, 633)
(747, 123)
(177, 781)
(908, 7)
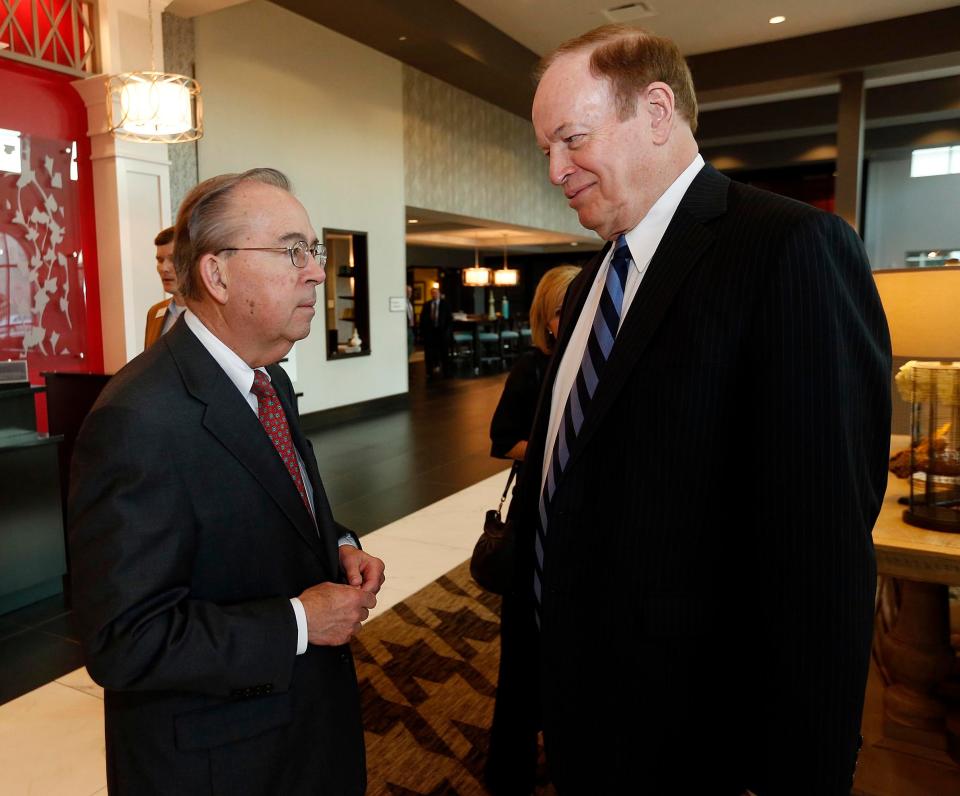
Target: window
(938, 160)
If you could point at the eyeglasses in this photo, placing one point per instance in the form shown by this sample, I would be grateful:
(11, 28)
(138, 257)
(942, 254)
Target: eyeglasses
(299, 252)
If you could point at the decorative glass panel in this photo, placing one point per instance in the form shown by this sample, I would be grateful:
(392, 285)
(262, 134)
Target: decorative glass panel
(42, 298)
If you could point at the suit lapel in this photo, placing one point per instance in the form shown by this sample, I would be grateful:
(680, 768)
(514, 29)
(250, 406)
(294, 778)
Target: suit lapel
(686, 239)
(229, 419)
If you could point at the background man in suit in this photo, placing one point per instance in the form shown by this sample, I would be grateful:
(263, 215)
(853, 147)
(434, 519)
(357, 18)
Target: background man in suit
(436, 322)
(162, 315)
(214, 592)
(709, 457)
(410, 322)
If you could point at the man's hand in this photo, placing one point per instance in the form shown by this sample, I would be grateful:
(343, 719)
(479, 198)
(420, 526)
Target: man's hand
(334, 612)
(361, 569)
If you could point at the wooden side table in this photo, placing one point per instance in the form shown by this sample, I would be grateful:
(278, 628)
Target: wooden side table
(915, 651)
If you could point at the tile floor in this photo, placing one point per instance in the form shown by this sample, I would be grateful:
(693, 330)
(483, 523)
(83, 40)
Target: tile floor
(414, 483)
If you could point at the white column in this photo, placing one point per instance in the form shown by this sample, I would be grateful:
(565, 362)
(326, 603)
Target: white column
(131, 187)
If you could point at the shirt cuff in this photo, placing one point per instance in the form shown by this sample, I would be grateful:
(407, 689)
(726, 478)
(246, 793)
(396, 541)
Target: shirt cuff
(347, 540)
(301, 617)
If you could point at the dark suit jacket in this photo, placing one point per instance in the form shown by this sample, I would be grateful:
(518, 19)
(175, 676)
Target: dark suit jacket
(513, 417)
(156, 316)
(709, 571)
(187, 538)
(439, 330)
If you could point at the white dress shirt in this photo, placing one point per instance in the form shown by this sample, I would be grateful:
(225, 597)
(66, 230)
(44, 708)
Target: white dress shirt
(241, 374)
(643, 241)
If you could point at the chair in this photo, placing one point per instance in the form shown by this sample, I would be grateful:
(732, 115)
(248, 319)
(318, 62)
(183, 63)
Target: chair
(526, 338)
(463, 352)
(509, 346)
(489, 350)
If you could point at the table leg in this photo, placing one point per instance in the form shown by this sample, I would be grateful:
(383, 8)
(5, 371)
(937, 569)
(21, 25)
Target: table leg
(918, 657)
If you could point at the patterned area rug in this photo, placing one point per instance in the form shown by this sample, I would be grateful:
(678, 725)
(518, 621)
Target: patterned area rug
(428, 674)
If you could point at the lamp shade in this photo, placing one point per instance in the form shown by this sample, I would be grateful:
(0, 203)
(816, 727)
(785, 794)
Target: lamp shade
(476, 277)
(923, 311)
(506, 277)
(154, 107)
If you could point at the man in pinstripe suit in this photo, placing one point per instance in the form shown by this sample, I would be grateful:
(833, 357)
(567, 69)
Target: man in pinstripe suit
(709, 457)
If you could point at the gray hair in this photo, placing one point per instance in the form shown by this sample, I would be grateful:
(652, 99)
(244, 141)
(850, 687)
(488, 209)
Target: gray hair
(205, 223)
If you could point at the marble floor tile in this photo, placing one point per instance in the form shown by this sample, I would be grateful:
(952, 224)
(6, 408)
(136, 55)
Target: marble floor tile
(51, 743)
(455, 521)
(409, 567)
(81, 681)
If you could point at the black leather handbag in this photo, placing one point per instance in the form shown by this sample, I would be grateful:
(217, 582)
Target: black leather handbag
(491, 564)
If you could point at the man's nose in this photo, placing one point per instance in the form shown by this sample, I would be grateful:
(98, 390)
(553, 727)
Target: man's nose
(560, 167)
(313, 271)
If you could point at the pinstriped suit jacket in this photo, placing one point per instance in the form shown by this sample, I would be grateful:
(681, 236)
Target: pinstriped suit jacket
(709, 571)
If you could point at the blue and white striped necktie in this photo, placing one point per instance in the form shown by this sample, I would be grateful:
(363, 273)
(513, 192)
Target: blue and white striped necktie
(602, 335)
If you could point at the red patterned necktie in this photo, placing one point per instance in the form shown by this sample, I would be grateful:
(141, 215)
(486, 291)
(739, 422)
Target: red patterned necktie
(274, 422)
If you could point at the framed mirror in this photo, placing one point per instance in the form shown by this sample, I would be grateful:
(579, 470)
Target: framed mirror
(347, 295)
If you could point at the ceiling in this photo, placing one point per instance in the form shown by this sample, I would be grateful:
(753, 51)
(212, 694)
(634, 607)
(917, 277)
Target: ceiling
(697, 26)
(432, 228)
(489, 48)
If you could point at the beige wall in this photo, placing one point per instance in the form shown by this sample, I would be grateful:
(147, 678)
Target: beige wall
(468, 157)
(285, 92)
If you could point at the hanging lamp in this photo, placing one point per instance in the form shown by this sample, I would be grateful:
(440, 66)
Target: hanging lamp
(154, 107)
(476, 276)
(506, 277)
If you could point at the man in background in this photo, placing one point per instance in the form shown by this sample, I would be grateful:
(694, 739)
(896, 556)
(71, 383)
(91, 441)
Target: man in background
(215, 594)
(411, 323)
(709, 457)
(162, 315)
(436, 322)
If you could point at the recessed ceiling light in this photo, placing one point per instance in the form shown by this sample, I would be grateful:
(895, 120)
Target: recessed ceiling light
(413, 220)
(574, 243)
(777, 20)
(402, 38)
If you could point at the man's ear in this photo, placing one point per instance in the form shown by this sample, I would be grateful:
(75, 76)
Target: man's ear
(659, 102)
(212, 270)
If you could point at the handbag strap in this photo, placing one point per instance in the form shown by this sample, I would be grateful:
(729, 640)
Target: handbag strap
(506, 490)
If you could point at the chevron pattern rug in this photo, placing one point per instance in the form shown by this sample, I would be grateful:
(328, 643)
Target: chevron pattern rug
(428, 675)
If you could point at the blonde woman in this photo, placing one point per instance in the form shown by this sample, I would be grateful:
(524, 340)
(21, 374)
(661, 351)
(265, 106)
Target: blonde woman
(513, 417)
(512, 760)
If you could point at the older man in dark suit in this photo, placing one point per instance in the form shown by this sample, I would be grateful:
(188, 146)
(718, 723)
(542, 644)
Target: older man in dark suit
(214, 592)
(708, 457)
(436, 323)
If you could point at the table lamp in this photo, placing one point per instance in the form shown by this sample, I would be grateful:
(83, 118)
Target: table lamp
(923, 311)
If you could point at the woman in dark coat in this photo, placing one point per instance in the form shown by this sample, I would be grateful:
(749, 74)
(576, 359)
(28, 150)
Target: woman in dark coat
(512, 761)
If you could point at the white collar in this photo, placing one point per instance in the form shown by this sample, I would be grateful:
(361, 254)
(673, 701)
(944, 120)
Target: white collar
(644, 238)
(238, 371)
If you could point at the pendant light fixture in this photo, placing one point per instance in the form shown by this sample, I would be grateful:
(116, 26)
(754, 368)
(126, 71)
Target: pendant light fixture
(476, 276)
(506, 277)
(154, 107)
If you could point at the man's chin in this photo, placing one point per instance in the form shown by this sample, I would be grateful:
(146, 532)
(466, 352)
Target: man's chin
(591, 221)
